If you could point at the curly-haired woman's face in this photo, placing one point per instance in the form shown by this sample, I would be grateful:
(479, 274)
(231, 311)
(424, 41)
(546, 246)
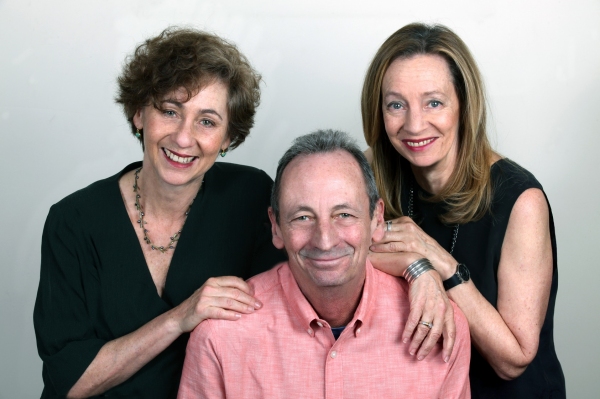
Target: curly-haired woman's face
(183, 138)
(421, 112)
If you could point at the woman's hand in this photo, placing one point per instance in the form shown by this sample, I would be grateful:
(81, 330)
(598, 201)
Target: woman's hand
(404, 235)
(224, 298)
(428, 300)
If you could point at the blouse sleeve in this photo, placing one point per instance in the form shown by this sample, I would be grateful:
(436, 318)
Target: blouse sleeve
(65, 334)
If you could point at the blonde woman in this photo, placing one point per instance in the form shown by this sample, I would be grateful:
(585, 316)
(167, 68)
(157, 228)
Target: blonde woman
(482, 220)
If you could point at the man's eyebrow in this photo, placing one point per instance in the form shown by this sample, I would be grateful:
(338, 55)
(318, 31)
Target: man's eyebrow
(345, 205)
(306, 208)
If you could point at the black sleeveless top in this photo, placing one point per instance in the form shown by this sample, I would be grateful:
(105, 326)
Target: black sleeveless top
(478, 246)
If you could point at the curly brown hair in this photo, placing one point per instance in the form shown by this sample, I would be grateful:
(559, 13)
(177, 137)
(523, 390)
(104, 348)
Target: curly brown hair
(190, 59)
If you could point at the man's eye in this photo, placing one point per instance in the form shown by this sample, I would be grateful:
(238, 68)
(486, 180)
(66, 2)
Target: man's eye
(435, 103)
(169, 112)
(207, 122)
(345, 215)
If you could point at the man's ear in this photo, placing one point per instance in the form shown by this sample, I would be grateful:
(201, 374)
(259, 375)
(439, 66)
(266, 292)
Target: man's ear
(277, 237)
(378, 222)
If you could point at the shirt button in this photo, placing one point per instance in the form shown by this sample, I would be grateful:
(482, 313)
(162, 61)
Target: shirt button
(333, 354)
(319, 324)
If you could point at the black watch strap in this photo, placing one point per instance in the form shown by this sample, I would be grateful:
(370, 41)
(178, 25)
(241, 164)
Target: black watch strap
(462, 275)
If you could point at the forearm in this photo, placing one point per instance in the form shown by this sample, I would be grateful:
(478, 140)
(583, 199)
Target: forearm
(121, 358)
(490, 334)
(394, 263)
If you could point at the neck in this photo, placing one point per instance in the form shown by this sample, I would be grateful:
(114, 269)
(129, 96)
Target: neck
(429, 180)
(163, 200)
(336, 305)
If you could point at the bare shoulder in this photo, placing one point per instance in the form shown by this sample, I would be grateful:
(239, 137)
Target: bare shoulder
(531, 206)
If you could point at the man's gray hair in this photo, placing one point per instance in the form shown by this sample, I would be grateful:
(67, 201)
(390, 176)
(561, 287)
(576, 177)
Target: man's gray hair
(324, 141)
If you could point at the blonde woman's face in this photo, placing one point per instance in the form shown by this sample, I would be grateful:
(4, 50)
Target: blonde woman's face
(421, 112)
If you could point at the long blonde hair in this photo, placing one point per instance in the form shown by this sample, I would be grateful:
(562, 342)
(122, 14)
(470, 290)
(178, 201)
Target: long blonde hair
(468, 192)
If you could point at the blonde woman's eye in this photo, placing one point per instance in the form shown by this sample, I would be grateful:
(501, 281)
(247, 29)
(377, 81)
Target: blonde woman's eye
(395, 105)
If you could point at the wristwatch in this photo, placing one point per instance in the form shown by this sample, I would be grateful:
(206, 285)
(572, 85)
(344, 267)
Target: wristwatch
(462, 275)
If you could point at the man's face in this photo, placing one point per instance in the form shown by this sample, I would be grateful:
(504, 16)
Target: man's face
(324, 221)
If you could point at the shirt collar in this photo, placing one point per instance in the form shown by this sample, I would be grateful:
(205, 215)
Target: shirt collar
(306, 315)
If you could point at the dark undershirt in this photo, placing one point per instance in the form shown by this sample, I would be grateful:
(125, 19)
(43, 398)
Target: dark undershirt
(337, 331)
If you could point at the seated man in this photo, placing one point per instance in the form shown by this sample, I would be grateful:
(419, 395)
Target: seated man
(331, 324)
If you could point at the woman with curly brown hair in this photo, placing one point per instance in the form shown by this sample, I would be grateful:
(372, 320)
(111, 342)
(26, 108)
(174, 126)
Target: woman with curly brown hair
(130, 263)
(482, 220)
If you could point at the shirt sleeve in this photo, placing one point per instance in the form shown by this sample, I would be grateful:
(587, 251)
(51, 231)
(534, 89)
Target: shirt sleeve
(456, 383)
(202, 375)
(65, 335)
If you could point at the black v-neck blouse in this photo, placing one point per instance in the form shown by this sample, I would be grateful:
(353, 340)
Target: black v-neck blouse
(95, 285)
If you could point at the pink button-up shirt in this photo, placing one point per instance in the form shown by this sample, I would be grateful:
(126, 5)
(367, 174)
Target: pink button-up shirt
(284, 350)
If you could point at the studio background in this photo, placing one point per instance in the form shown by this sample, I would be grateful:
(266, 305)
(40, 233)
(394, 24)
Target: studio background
(60, 129)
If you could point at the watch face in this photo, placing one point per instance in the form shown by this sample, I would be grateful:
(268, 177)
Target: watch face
(463, 272)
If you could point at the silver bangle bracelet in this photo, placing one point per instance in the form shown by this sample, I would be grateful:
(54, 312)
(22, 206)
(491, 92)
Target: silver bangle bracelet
(415, 269)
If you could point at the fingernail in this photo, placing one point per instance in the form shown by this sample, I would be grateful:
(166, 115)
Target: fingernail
(405, 340)
(257, 305)
(412, 353)
(238, 315)
(420, 357)
(250, 309)
(446, 359)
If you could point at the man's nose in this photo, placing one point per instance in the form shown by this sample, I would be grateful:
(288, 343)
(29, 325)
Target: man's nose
(326, 235)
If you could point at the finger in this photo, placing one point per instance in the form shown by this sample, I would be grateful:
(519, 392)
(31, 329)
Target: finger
(449, 333)
(231, 286)
(222, 314)
(217, 296)
(433, 336)
(231, 281)
(431, 339)
(390, 246)
(416, 312)
(439, 308)
(419, 336)
(230, 304)
(420, 330)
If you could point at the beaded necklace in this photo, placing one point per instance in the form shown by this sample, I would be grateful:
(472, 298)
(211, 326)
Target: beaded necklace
(174, 238)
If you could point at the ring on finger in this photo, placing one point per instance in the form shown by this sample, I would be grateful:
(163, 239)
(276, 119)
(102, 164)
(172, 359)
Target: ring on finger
(426, 324)
(388, 225)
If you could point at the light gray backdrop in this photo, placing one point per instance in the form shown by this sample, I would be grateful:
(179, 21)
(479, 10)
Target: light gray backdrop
(60, 129)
